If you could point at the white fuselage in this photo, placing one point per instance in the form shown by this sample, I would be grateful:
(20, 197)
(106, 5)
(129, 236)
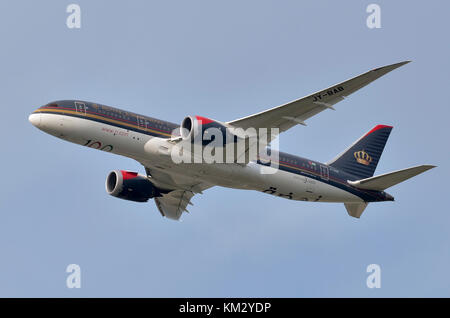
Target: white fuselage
(140, 147)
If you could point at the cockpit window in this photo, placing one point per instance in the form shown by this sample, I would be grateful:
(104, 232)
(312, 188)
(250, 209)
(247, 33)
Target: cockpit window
(52, 105)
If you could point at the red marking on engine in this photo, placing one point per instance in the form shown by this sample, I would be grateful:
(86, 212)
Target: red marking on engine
(203, 120)
(128, 175)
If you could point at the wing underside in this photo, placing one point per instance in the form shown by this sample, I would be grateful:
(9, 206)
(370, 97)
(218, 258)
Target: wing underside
(179, 191)
(173, 204)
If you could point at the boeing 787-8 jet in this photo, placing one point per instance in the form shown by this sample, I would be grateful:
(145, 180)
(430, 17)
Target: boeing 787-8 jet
(348, 178)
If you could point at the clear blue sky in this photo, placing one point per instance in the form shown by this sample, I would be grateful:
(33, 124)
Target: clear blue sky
(224, 60)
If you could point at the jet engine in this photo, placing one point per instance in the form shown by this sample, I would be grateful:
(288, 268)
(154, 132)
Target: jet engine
(130, 186)
(193, 127)
(233, 143)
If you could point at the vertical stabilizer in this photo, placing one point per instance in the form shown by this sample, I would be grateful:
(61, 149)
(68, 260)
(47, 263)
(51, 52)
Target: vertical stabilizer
(361, 158)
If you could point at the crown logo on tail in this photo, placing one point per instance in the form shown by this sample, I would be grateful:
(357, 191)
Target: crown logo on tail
(362, 157)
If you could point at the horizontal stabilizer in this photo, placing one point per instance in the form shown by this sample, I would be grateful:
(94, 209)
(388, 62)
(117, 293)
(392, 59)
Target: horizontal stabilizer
(390, 179)
(355, 209)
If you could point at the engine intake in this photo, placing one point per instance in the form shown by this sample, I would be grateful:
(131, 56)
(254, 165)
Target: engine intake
(193, 127)
(130, 186)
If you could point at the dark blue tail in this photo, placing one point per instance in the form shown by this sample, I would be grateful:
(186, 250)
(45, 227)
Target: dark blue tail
(362, 157)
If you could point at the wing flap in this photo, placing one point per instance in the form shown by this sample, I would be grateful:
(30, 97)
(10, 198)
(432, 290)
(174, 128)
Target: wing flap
(171, 205)
(178, 193)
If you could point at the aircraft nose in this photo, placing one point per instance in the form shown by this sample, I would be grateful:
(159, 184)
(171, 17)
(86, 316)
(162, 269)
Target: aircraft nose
(35, 119)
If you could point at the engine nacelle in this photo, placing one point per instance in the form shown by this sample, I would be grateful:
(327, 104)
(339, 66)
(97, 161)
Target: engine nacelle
(222, 143)
(130, 186)
(195, 128)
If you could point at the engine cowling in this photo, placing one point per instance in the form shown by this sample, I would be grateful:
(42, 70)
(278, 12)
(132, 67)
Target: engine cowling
(232, 143)
(130, 186)
(193, 127)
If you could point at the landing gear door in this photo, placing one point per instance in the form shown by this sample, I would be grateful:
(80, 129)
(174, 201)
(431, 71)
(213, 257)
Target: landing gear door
(80, 107)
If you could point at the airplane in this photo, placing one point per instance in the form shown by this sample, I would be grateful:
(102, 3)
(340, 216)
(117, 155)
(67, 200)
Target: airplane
(348, 178)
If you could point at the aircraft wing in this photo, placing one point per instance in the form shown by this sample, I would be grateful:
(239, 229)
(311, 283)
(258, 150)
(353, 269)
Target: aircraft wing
(174, 203)
(180, 191)
(298, 111)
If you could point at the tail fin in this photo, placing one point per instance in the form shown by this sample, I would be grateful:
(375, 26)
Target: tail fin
(361, 158)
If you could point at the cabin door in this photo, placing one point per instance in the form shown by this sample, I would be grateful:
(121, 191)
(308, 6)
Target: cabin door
(324, 172)
(80, 107)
